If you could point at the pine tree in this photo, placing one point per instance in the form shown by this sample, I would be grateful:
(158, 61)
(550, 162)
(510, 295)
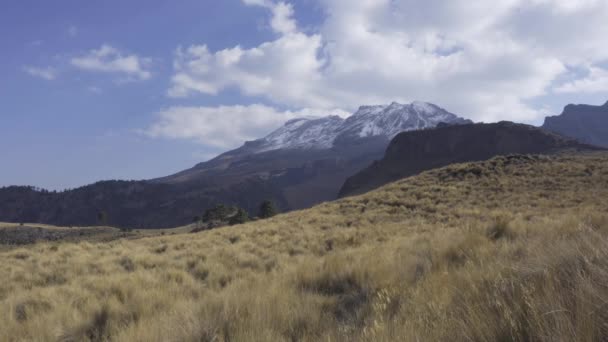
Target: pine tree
(267, 209)
(102, 217)
(240, 217)
(218, 213)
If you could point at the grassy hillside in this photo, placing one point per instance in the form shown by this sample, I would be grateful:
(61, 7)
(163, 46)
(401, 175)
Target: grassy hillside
(515, 248)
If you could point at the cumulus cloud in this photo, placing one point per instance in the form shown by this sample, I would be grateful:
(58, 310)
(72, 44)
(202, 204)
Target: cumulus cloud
(595, 82)
(223, 126)
(111, 60)
(47, 73)
(487, 60)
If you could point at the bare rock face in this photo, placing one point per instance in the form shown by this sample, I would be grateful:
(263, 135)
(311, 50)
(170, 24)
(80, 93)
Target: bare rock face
(413, 152)
(588, 124)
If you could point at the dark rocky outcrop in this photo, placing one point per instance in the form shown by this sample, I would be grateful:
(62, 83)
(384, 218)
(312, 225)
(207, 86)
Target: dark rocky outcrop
(586, 123)
(410, 153)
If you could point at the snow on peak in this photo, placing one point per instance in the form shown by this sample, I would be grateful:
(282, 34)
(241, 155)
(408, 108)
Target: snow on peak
(303, 133)
(369, 110)
(367, 121)
(424, 107)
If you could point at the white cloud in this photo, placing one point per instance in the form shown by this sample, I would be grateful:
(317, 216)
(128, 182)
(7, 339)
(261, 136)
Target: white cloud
(485, 59)
(224, 126)
(111, 60)
(282, 18)
(47, 73)
(282, 14)
(595, 82)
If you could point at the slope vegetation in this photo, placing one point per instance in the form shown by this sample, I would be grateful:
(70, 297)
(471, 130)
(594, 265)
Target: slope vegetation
(511, 249)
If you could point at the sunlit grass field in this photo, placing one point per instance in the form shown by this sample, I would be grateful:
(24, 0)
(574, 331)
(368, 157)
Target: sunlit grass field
(511, 249)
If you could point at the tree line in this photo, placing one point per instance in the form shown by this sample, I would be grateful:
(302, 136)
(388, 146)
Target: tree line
(221, 215)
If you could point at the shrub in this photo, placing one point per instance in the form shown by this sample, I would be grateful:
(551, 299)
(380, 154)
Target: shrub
(127, 264)
(500, 229)
(161, 249)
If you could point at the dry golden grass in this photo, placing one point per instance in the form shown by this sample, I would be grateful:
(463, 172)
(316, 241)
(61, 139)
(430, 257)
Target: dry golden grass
(168, 231)
(513, 249)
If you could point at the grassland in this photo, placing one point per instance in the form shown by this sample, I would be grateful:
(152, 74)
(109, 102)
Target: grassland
(511, 249)
(13, 234)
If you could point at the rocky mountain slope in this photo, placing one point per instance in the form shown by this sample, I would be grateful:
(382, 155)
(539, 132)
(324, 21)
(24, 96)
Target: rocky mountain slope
(586, 123)
(413, 152)
(300, 164)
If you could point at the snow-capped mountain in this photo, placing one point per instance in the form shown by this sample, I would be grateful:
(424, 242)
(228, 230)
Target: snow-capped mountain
(304, 162)
(301, 164)
(369, 121)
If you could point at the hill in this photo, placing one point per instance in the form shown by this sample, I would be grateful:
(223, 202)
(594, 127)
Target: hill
(128, 204)
(509, 249)
(586, 123)
(297, 166)
(410, 153)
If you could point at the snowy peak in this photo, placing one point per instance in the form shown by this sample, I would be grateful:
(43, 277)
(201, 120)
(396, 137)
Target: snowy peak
(369, 110)
(423, 107)
(416, 106)
(388, 121)
(385, 121)
(302, 133)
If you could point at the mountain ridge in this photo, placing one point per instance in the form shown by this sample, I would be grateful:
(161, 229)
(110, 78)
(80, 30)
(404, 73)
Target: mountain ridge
(586, 123)
(368, 121)
(410, 153)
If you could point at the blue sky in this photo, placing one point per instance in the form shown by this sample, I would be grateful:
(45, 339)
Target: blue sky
(140, 89)
(79, 127)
